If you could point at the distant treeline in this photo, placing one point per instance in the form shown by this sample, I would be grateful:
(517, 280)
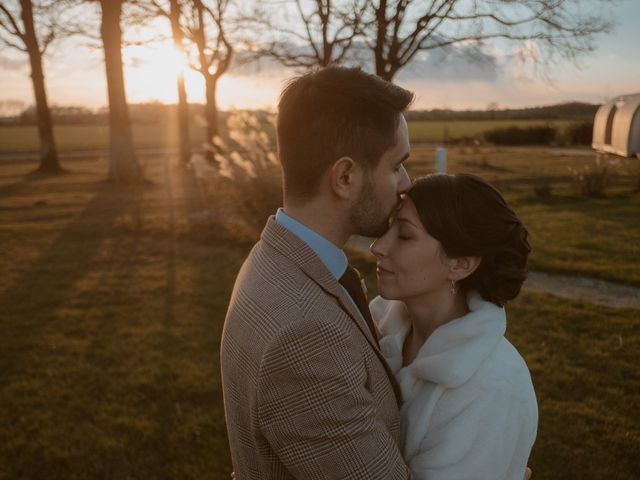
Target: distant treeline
(561, 111)
(155, 113)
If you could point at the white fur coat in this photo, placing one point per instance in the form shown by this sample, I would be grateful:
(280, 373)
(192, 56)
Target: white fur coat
(469, 409)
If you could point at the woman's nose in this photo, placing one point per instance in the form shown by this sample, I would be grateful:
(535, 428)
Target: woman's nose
(377, 247)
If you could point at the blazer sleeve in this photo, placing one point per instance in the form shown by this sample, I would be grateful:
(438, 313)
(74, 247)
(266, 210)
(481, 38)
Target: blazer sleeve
(315, 411)
(490, 439)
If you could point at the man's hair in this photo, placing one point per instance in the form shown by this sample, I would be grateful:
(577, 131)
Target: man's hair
(331, 113)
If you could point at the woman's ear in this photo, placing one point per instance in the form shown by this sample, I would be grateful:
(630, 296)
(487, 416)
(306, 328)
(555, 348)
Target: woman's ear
(344, 177)
(461, 267)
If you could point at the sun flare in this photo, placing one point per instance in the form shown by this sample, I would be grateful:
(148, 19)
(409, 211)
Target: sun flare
(151, 75)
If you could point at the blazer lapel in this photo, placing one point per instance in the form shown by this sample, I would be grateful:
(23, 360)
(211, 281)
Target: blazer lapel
(306, 259)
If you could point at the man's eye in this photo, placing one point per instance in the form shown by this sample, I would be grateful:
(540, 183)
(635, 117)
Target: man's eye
(403, 237)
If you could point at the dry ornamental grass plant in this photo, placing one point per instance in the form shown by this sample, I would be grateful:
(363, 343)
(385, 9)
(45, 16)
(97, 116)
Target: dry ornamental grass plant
(243, 186)
(593, 179)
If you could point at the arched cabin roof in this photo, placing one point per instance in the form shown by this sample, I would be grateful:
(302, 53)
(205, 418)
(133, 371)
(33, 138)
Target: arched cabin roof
(616, 126)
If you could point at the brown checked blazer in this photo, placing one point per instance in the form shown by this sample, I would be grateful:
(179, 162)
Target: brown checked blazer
(306, 395)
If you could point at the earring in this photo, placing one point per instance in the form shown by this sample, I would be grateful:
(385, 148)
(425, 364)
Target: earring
(454, 288)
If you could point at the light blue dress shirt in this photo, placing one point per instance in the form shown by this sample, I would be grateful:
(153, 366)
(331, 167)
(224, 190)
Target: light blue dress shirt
(333, 258)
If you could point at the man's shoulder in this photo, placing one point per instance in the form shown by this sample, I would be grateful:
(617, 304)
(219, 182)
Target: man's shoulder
(265, 268)
(272, 285)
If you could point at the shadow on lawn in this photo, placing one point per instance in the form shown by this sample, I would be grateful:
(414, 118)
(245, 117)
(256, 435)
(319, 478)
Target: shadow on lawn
(47, 283)
(27, 180)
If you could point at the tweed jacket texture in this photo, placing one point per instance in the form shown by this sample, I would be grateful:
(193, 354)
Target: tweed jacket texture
(305, 393)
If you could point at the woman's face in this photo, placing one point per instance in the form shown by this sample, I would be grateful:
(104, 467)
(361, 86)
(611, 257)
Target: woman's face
(410, 261)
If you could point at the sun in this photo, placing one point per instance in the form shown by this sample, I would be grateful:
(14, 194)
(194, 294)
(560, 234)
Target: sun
(151, 74)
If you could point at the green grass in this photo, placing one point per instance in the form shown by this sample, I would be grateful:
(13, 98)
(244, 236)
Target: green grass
(596, 237)
(89, 137)
(112, 306)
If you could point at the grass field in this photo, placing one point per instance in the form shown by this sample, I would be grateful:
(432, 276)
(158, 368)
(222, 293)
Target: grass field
(112, 305)
(88, 137)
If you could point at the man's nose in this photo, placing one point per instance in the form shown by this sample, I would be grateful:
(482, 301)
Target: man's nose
(405, 182)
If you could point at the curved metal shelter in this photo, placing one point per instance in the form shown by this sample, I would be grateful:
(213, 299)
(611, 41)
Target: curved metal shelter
(616, 127)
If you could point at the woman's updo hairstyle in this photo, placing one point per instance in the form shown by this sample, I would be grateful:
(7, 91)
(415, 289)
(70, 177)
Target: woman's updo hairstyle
(469, 217)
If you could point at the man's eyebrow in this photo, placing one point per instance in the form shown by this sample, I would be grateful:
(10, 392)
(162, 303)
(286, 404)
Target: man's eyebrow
(406, 156)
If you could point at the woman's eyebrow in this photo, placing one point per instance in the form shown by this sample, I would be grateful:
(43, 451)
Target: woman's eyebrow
(406, 220)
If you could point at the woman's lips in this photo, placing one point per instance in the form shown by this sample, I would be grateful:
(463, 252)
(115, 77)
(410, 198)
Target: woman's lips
(383, 271)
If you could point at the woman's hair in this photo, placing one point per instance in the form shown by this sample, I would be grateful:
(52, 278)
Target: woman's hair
(469, 217)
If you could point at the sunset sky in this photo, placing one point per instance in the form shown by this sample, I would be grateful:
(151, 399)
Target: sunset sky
(75, 76)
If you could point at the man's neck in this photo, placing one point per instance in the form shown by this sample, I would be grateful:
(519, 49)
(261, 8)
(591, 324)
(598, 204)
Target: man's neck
(319, 218)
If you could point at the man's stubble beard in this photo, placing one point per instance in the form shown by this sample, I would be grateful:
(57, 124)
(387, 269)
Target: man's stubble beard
(367, 216)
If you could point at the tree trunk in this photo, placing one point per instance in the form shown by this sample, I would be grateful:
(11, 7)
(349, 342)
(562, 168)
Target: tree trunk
(123, 165)
(48, 153)
(211, 83)
(184, 141)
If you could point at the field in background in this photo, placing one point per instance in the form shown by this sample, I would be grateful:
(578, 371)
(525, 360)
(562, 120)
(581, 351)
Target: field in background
(113, 300)
(594, 237)
(24, 138)
(89, 137)
(441, 131)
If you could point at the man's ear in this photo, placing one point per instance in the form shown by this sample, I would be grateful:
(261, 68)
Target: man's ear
(461, 267)
(344, 177)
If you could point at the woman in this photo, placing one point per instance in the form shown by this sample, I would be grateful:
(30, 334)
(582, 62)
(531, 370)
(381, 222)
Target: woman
(454, 254)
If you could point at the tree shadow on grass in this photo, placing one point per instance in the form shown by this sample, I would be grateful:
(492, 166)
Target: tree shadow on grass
(47, 283)
(26, 180)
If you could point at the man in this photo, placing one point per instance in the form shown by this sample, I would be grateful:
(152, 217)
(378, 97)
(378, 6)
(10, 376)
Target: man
(307, 392)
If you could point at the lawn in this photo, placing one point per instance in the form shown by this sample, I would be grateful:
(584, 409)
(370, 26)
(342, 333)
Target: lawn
(112, 306)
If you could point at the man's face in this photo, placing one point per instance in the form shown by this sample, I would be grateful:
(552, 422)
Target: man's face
(380, 194)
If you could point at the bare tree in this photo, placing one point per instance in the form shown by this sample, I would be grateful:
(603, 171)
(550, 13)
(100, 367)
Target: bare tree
(19, 31)
(172, 10)
(206, 27)
(305, 34)
(399, 29)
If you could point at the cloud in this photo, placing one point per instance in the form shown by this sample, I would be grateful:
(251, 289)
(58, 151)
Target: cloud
(453, 64)
(12, 64)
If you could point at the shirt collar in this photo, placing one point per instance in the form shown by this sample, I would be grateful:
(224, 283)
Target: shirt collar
(333, 258)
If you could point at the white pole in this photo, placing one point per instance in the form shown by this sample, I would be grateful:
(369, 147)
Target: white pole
(441, 160)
